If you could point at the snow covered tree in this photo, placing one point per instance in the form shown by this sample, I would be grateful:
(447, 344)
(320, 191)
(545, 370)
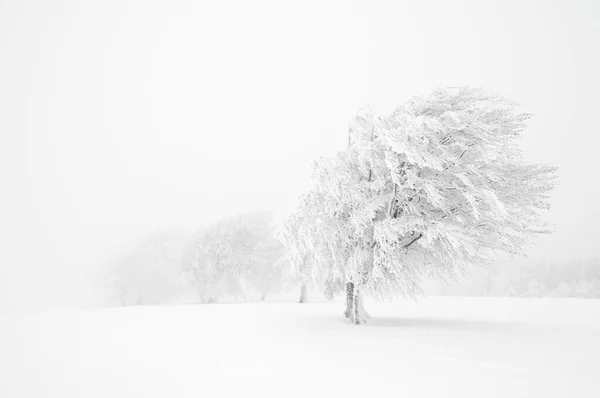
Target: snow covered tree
(430, 190)
(265, 275)
(311, 231)
(237, 250)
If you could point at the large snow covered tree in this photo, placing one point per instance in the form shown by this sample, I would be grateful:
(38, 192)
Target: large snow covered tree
(432, 189)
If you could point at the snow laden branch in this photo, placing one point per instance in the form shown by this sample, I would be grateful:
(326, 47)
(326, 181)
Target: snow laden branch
(432, 189)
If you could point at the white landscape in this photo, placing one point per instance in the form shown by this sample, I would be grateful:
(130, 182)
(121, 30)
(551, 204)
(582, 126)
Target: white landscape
(439, 347)
(316, 198)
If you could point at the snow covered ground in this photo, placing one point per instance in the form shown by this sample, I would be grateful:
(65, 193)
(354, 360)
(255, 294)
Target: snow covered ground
(439, 347)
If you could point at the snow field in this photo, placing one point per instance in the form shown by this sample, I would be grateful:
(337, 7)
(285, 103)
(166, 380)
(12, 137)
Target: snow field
(439, 347)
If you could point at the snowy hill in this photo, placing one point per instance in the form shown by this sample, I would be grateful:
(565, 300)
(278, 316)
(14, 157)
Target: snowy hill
(439, 347)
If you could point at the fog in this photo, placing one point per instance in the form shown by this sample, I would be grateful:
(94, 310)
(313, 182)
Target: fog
(119, 118)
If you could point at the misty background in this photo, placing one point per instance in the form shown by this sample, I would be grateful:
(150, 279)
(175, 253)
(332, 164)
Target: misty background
(121, 118)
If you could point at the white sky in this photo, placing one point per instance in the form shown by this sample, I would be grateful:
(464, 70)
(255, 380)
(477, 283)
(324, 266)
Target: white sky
(120, 117)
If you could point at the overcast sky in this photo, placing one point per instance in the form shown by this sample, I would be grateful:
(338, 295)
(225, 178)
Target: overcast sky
(121, 117)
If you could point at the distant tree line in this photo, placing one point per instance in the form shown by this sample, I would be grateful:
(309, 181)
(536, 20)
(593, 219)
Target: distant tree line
(579, 278)
(237, 258)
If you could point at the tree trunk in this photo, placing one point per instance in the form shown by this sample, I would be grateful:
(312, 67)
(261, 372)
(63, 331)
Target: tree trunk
(355, 312)
(356, 304)
(303, 296)
(212, 300)
(349, 300)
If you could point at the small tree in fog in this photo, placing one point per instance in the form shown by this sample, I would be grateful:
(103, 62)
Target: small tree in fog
(431, 189)
(149, 271)
(237, 250)
(265, 275)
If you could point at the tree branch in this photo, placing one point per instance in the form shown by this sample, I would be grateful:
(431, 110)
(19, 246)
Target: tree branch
(413, 241)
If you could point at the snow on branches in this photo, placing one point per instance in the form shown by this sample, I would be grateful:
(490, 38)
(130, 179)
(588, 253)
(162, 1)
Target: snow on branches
(235, 251)
(431, 189)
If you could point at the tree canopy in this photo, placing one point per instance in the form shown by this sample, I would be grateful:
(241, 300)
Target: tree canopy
(432, 189)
